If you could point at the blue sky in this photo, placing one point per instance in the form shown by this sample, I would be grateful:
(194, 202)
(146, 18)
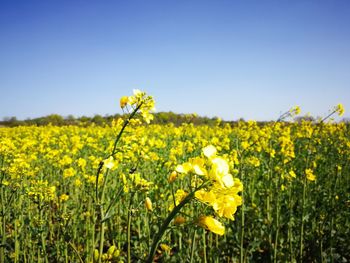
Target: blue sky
(231, 59)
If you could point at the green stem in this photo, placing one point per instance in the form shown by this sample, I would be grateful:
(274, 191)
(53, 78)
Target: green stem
(193, 244)
(112, 203)
(76, 252)
(129, 228)
(102, 235)
(3, 240)
(332, 215)
(167, 221)
(204, 247)
(291, 255)
(102, 215)
(301, 244)
(277, 227)
(99, 170)
(242, 227)
(3, 228)
(42, 236)
(114, 147)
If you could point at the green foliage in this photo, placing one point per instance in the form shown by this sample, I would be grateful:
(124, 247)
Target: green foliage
(49, 212)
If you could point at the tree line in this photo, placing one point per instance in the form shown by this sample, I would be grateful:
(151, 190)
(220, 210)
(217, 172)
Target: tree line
(159, 118)
(58, 120)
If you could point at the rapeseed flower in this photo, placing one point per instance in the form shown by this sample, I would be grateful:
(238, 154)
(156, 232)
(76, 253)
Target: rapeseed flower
(179, 220)
(209, 151)
(143, 102)
(309, 175)
(211, 224)
(340, 109)
(123, 101)
(148, 204)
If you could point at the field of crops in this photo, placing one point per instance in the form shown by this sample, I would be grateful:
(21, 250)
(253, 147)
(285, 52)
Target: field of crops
(128, 192)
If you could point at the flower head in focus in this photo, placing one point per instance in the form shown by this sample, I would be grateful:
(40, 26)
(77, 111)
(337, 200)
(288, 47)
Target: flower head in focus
(141, 102)
(220, 190)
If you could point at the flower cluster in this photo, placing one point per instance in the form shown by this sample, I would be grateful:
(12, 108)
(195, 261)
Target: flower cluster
(141, 101)
(41, 191)
(222, 191)
(294, 111)
(339, 109)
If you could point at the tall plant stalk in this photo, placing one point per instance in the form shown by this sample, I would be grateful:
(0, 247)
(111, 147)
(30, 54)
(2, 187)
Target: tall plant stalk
(100, 200)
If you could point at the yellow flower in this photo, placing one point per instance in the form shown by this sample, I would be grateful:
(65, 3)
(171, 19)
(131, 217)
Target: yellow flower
(77, 182)
(165, 247)
(179, 196)
(64, 197)
(82, 163)
(144, 102)
(226, 205)
(69, 172)
(209, 151)
(123, 101)
(206, 197)
(183, 168)
(172, 177)
(211, 224)
(245, 145)
(109, 163)
(198, 166)
(294, 111)
(340, 109)
(292, 174)
(227, 180)
(309, 175)
(148, 204)
(179, 220)
(220, 172)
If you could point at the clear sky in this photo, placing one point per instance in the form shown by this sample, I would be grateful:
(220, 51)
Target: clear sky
(231, 59)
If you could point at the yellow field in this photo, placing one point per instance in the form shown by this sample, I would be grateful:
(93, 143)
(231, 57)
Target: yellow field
(130, 192)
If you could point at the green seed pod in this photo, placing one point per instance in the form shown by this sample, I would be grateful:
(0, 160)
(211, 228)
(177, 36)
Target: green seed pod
(96, 254)
(111, 250)
(116, 253)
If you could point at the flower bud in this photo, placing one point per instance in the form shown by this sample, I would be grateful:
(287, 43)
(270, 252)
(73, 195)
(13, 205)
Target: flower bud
(148, 204)
(96, 254)
(111, 250)
(123, 101)
(172, 177)
(179, 220)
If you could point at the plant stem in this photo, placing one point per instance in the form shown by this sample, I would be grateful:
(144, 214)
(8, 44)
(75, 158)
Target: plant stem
(129, 228)
(301, 245)
(291, 255)
(277, 227)
(100, 201)
(102, 215)
(114, 147)
(242, 226)
(204, 247)
(193, 244)
(167, 221)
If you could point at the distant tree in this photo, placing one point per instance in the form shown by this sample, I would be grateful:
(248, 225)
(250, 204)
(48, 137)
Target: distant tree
(10, 121)
(70, 120)
(304, 118)
(54, 119)
(84, 120)
(98, 120)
